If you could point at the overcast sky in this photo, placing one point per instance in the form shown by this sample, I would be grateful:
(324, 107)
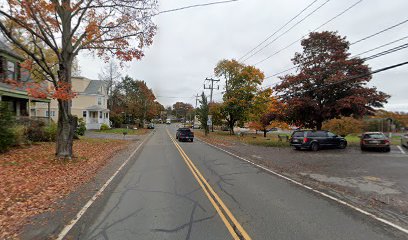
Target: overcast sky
(189, 43)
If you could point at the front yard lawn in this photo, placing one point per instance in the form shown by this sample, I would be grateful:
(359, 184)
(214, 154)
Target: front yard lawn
(271, 140)
(140, 131)
(32, 180)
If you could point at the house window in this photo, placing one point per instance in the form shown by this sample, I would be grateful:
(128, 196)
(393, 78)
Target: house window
(52, 113)
(11, 70)
(99, 101)
(84, 114)
(100, 115)
(47, 113)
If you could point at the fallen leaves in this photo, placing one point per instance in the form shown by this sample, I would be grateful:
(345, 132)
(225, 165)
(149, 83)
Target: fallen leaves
(32, 180)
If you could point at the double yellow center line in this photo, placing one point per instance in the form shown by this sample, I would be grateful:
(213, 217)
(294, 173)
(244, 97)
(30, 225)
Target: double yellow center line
(233, 226)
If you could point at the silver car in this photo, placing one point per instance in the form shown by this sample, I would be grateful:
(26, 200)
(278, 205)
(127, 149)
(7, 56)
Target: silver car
(404, 140)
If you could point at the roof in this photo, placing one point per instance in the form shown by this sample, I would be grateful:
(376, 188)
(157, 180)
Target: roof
(94, 87)
(18, 92)
(6, 49)
(12, 87)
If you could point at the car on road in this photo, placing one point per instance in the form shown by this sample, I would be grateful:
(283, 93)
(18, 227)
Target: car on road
(185, 134)
(404, 140)
(168, 121)
(315, 140)
(374, 140)
(150, 126)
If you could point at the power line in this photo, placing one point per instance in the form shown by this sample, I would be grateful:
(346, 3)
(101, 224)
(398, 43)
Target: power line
(212, 87)
(273, 34)
(367, 58)
(297, 23)
(382, 31)
(395, 49)
(196, 5)
(325, 23)
(384, 45)
(358, 76)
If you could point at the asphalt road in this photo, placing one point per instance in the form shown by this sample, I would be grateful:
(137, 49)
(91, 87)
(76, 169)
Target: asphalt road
(197, 192)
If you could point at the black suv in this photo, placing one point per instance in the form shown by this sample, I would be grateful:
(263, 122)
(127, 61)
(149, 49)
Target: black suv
(314, 140)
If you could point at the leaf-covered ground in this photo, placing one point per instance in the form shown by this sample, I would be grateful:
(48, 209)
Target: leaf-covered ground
(31, 179)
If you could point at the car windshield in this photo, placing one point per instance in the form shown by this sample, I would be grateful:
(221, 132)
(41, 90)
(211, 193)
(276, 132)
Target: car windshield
(184, 130)
(374, 135)
(298, 134)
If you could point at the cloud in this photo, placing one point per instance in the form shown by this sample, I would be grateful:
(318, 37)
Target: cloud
(189, 43)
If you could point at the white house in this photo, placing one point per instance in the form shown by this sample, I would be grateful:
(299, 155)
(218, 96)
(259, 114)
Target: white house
(89, 104)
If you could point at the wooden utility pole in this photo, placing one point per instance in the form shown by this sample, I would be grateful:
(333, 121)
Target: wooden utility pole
(211, 87)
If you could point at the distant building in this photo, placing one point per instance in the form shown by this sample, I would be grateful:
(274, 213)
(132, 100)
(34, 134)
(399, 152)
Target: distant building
(89, 104)
(16, 97)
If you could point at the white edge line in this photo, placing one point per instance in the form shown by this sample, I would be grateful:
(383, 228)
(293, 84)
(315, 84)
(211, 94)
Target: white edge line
(400, 148)
(71, 224)
(314, 190)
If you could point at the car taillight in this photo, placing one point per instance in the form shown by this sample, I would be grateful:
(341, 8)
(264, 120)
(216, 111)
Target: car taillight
(386, 141)
(305, 140)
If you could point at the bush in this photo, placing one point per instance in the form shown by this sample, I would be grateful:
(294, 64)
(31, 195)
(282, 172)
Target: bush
(104, 127)
(81, 128)
(20, 135)
(6, 124)
(50, 132)
(344, 126)
(39, 131)
(35, 131)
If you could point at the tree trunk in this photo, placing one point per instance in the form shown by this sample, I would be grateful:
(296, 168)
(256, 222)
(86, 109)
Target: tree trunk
(319, 124)
(66, 129)
(231, 124)
(264, 131)
(66, 122)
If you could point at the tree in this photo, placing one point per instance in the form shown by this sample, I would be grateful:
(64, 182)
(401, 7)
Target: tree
(118, 28)
(344, 126)
(135, 99)
(264, 110)
(182, 109)
(202, 113)
(215, 110)
(110, 74)
(241, 85)
(319, 91)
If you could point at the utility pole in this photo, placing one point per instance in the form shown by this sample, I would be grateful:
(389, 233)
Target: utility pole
(212, 87)
(197, 97)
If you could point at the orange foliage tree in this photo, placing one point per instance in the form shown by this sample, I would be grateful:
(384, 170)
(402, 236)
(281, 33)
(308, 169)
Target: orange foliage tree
(266, 112)
(119, 28)
(242, 83)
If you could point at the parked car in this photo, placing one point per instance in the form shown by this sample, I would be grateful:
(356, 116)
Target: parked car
(315, 140)
(404, 140)
(196, 126)
(184, 134)
(374, 140)
(150, 126)
(168, 121)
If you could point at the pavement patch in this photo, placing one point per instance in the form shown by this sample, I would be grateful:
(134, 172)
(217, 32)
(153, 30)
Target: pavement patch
(364, 184)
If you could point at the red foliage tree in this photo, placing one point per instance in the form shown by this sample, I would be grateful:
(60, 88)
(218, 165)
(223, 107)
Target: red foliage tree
(318, 91)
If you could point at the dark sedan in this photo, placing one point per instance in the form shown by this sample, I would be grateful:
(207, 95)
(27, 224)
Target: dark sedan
(374, 140)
